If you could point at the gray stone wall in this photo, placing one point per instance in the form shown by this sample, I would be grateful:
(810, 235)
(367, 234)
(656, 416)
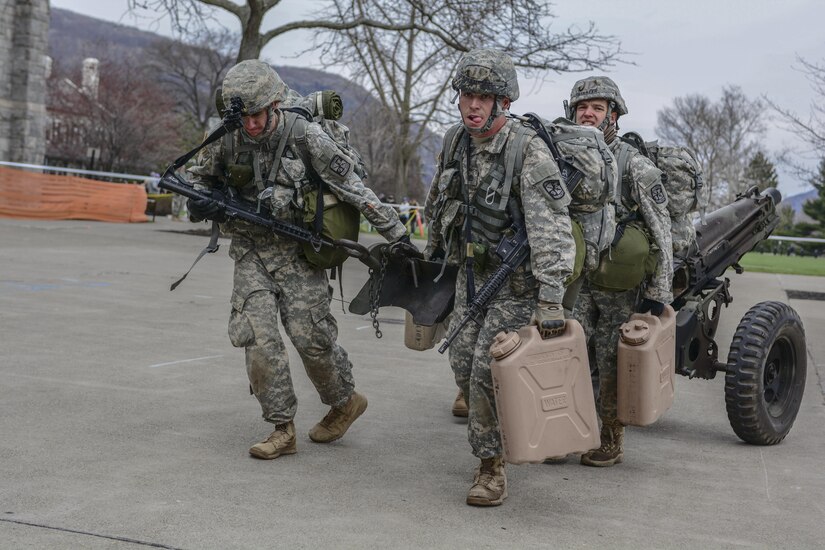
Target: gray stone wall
(24, 32)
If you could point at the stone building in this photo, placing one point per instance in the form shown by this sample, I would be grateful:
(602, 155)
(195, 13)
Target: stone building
(24, 28)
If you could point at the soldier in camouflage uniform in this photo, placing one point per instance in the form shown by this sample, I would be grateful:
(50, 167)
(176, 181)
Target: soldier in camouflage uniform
(596, 102)
(271, 274)
(472, 185)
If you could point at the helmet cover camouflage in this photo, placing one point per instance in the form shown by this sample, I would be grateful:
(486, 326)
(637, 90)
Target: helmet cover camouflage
(597, 87)
(486, 71)
(256, 83)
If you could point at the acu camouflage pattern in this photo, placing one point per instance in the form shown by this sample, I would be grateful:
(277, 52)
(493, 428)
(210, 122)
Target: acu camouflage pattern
(470, 357)
(256, 83)
(647, 195)
(592, 199)
(685, 188)
(596, 87)
(486, 71)
(544, 202)
(271, 275)
(601, 313)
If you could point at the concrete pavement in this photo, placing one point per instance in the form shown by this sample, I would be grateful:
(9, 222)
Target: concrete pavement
(126, 419)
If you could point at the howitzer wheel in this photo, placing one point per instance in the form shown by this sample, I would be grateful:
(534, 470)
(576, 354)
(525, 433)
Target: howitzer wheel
(766, 373)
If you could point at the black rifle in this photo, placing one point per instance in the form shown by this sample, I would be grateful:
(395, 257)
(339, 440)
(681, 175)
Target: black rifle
(239, 209)
(512, 250)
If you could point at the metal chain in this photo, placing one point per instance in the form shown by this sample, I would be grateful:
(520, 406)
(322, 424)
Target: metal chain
(375, 290)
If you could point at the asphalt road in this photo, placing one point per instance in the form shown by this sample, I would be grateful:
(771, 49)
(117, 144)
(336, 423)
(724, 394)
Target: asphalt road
(125, 420)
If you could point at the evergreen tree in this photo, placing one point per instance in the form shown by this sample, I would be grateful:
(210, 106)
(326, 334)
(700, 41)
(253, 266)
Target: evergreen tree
(761, 172)
(815, 208)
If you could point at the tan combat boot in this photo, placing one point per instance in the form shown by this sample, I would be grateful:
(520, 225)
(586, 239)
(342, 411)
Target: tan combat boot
(280, 442)
(489, 484)
(611, 451)
(338, 420)
(460, 405)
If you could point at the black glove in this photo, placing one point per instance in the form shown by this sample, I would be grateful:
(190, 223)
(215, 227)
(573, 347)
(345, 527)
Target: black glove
(207, 208)
(654, 307)
(549, 318)
(404, 247)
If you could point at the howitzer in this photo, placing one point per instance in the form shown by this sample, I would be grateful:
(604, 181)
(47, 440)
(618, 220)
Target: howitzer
(765, 371)
(512, 250)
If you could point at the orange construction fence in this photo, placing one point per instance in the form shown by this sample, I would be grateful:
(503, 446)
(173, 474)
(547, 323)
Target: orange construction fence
(52, 197)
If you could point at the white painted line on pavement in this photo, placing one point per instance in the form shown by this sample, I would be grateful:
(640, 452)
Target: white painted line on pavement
(184, 361)
(765, 469)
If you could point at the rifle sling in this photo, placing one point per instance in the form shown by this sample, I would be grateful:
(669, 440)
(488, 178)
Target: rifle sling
(210, 248)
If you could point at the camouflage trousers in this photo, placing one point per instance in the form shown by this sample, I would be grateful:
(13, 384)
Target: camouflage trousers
(301, 295)
(470, 358)
(600, 314)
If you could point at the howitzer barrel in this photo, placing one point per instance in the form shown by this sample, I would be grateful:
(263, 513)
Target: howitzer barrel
(726, 235)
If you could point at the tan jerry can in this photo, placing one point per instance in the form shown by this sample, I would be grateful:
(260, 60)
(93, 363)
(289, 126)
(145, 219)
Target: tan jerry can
(544, 394)
(422, 337)
(646, 367)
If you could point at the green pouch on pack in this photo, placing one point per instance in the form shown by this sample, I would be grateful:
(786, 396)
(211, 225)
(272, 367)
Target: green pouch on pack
(626, 264)
(341, 220)
(239, 175)
(581, 251)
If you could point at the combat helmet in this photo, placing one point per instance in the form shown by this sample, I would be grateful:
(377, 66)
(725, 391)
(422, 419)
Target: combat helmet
(486, 71)
(256, 83)
(597, 87)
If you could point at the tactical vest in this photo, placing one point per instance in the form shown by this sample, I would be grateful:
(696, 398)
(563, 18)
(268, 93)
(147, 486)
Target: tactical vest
(487, 208)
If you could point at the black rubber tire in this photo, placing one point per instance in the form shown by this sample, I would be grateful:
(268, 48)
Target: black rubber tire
(766, 372)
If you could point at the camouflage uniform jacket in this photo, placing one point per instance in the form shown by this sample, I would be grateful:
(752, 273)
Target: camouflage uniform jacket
(641, 184)
(540, 193)
(293, 179)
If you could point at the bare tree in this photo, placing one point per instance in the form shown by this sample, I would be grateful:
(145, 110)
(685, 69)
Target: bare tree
(809, 129)
(127, 120)
(405, 49)
(409, 71)
(192, 15)
(723, 135)
(192, 71)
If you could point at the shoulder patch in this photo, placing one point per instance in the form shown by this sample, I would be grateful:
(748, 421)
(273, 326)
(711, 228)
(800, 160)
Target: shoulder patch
(657, 193)
(554, 188)
(340, 165)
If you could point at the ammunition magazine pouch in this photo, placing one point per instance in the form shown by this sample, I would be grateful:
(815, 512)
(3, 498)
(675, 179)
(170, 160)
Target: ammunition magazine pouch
(628, 262)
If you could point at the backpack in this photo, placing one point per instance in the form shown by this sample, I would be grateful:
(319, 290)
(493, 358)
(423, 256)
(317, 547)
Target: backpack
(683, 182)
(589, 171)
(323, 212)
(326, 108)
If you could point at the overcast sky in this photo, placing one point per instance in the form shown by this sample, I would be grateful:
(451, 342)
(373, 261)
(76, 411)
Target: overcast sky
(680, 47)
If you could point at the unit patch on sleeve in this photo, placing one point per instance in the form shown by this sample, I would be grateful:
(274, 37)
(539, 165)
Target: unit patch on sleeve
(340, 165)
(657, 193)
(554, 188)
